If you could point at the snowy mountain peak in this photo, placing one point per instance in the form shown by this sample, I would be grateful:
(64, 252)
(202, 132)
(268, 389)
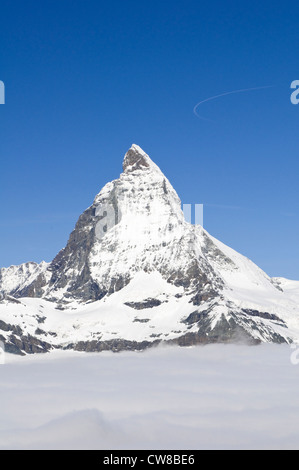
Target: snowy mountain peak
(137, 159)
(134, 273)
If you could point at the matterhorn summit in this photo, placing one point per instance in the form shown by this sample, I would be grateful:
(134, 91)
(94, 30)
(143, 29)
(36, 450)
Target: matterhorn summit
(135, 273)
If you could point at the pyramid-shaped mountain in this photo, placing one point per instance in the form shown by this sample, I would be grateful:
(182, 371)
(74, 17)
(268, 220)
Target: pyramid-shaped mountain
(135, 273)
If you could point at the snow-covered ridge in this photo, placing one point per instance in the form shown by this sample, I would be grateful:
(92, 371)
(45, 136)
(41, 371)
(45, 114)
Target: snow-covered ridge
(15, 278)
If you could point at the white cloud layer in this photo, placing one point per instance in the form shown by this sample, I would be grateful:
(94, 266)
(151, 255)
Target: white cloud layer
(208, 397)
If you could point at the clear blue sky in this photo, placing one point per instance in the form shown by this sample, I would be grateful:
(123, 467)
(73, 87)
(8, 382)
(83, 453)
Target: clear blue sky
(86, 79)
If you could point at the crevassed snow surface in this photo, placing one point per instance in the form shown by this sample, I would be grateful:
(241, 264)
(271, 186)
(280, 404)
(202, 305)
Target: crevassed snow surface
(204, 397)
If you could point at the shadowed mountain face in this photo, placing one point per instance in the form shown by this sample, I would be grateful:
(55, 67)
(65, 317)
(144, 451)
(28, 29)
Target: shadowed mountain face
(135, 227)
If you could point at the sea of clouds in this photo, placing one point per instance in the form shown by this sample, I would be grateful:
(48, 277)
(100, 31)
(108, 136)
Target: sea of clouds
(205, 397)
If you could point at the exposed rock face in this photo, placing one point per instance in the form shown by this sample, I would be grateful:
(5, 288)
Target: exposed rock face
(134, 274)
(18, 343)
(135, 223)
(135, 159)
(147, 303)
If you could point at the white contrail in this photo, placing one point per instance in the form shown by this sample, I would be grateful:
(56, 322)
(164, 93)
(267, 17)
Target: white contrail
(224, 94)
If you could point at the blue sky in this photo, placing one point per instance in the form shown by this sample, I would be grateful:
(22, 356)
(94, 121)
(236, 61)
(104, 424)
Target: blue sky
(86, 79)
